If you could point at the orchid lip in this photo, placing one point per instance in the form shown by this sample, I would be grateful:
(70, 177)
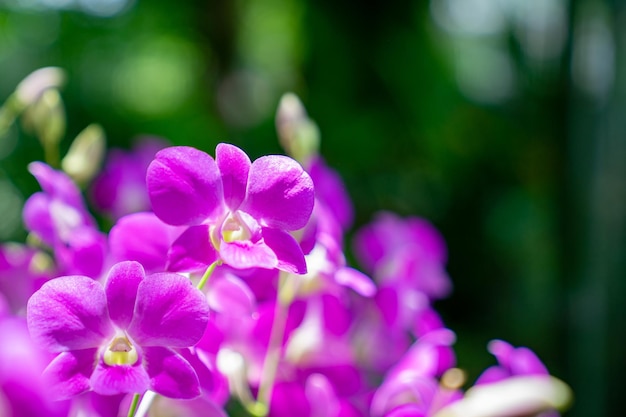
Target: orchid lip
(234, 228)
(121, 351)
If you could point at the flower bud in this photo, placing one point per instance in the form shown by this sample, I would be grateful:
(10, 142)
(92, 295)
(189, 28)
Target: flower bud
(298, 135)
(83, 159)
(31, 88)
(46, 118)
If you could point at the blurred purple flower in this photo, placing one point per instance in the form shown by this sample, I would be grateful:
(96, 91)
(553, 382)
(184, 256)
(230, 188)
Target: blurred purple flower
(327, 269)
(58, 216)
(405, 253)
(119, 338)
(511, 362)
(23, 392)
(237, 211)
(120, 189)
(413, 380)
(127, 240)
(19, 275)
(331, 192)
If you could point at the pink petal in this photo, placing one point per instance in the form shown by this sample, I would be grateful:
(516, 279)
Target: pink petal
(128, 240)
(37, 219)
(83, 252)
(280, 193)
(321, 395)
(234, 165)
(68, 374)
(356, 280)
(525, 362)
(169, 311)
(287, 250)
(244, 254)
(56, 183)
(192, 251)
(121, 289)
(69, 313)
(228, 294)
(170, 374)
(184, 185)
(120, 379)
(330, 189)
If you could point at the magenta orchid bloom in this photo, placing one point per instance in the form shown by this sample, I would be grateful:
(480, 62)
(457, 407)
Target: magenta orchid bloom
(238, 212)
(23, 393)
(58, 216)
(411, 387)
(408, 254)
(127, 240)
(119, 338)
(512, 361)
(331, 192)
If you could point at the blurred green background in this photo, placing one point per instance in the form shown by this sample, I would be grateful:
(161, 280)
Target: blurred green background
(501, 121)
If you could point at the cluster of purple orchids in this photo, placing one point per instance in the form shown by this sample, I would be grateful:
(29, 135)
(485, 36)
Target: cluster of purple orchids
(223, 285)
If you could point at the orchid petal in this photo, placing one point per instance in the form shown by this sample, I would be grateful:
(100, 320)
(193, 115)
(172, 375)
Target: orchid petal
(321, 395)
(121, 290)
(36, 217)
(69, 313)
(330, 189)
(192, 251)
(169, 311)
(492, 374)
(184, 185)
(230, 295)
(287, 250)
(142, 237)
(56, 183)
(356, 280)
(525, 362)
(119, 379)
(407, 410)
(280, 193)
(83, 252)
(337, 319)
(234, 165)
(170, 374)
(289, 399)
(68, 374)
(245, 254)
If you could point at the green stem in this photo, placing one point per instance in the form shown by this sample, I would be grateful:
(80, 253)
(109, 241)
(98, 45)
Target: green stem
(207, 274)
(273, 355)
(51, 154)
(133, 405)
(144, 405)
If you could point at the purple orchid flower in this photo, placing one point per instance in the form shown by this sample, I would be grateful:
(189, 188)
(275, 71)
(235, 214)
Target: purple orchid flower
(127, 240)
(511, 362)
(23, 392)
(407, 253)
(330, 191)
(19, 275)
(413, 379)
(120, 189)
(119, 338)
(58, 216)
(519, 385)
(327, 269)
(238, 212)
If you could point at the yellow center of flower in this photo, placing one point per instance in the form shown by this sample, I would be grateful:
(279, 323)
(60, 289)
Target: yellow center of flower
(120, 352)
(233, 229)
